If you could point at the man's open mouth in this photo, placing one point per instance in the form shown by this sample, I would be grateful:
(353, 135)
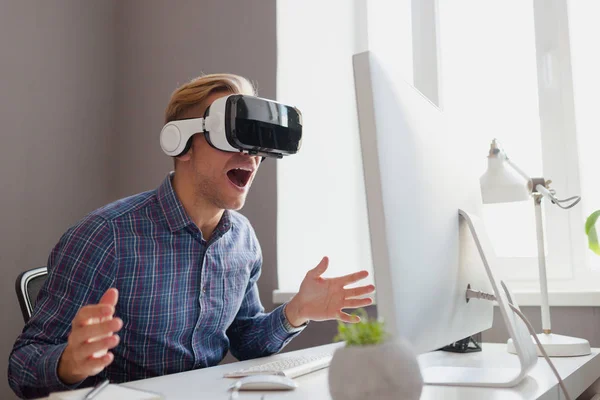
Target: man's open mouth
(239, 176)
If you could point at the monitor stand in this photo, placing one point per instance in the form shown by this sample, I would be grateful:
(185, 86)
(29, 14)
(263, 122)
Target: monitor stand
(478, 374)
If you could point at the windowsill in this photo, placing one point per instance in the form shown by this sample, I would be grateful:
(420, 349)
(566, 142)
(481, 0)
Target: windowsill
(588, 298)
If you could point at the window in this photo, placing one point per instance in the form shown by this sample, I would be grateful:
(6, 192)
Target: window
(520, 71)
(490, 85)
(584, 29)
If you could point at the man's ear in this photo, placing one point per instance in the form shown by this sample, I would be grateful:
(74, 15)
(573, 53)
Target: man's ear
(187, 152)
(187, 156)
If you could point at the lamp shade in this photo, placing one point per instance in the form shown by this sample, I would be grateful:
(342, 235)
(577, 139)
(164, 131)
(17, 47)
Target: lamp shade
(501, 183)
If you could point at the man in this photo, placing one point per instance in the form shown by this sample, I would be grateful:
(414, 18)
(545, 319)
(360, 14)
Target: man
(173, 271)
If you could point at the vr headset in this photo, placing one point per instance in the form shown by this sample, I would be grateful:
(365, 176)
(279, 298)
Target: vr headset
(239, 123)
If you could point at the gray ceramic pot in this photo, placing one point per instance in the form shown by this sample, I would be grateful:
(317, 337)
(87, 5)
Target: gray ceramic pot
(383, 372)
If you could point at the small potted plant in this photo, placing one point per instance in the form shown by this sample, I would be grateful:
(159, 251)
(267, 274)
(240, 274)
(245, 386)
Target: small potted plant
(372, 365)
(590, 231)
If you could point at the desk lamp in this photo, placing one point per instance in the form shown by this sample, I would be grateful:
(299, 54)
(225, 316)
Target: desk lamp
(504, 182)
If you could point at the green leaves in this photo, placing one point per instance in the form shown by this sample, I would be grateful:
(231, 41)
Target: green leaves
(590, 230)
(365, 332)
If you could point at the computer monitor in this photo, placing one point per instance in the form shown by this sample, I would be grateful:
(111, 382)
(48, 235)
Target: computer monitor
(417, 178)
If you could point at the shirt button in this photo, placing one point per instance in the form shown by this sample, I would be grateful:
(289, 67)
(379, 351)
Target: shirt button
(204, 290)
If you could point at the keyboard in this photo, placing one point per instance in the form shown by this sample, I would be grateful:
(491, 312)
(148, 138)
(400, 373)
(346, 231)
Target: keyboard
(290, 367)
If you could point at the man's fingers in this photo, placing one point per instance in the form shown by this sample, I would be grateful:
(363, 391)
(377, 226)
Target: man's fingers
(89, 349)
(358, 291)
(320, 268)
(351, 278)
(93, 366)
(110, 297)
(356, 303)
(85, 333)
(345, 317)
(93, 312)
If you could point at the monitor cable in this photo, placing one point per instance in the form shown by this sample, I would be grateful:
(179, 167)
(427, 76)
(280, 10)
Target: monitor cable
(474, 294)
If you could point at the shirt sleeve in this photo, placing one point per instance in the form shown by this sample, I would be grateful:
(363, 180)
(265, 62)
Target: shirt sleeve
(80, 270)
(255, 333)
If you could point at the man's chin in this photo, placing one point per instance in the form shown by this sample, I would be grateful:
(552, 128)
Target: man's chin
(231, 199)
(235, 207)
(235, 204)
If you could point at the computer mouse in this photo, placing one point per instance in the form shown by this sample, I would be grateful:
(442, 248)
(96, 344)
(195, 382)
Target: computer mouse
(265, 382)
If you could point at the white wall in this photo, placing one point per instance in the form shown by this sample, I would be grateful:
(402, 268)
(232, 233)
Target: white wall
(321, 195)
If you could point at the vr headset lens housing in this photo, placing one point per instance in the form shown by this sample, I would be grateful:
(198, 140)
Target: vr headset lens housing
(260, 125)
(240, 123)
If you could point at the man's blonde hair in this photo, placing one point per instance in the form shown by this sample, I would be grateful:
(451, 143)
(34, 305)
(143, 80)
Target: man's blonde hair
(198, 89)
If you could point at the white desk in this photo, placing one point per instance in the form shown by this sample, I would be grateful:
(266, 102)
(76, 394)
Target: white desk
(578, 372)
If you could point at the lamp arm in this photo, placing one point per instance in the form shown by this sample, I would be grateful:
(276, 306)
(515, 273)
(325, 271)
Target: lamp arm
(519, 170)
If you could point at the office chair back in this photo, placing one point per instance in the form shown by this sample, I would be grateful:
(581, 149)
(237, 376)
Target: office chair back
(28, 286)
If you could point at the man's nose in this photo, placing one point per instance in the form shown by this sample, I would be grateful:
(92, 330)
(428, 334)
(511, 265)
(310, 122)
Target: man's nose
(255, 159)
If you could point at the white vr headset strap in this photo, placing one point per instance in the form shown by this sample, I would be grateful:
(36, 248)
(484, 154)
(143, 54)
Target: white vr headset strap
(175, 134)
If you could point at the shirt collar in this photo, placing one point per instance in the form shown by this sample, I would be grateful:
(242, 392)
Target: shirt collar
(175, 214)
(223, 226)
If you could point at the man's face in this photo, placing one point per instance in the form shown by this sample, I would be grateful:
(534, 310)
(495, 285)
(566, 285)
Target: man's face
(220, 177)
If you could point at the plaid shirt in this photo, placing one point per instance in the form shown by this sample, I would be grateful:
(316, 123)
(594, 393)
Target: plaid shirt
(184, 301)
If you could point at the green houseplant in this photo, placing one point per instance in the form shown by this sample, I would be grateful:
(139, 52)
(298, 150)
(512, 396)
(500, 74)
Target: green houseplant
(365, 332)
(592, 234)
(372, 365)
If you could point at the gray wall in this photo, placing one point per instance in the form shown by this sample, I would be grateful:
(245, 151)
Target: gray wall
(83, 87)
(154, 57)
(56, 117)
(583, 322)
(162, 44)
